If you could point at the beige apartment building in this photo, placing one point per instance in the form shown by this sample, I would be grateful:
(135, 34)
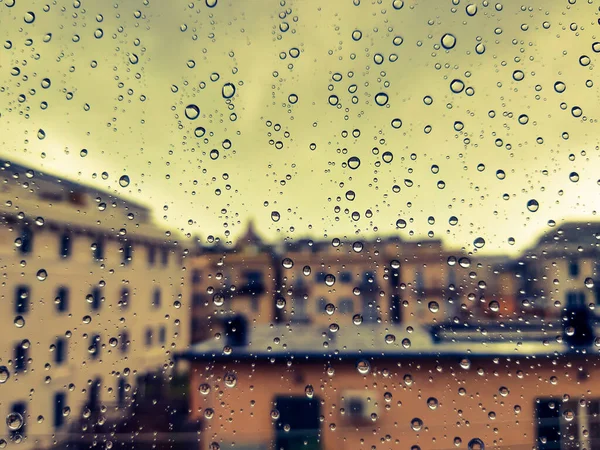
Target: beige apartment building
(93, 304)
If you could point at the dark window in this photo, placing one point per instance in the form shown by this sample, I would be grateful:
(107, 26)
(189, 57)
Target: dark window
(65, 245)
(299, 309)
(60, 353)
(21, 356)
(151, 255)
(321, 277)
(236, 331)
(98, 248)
(26, 241)
(254, 304)
(356, 407)
(127, 252)
(419, 284)
(302, 416)
(321, 304)
(59, 406)
(62, 299)
(346, 306)
(196, 276)
(165, 256)
(124, 301)
(96, 298)
(162, 335)
(124, 342)
(94, 348)
(148, 337)
(121, 391)
(345, 277)
(197, 299)
(21, 299)
(553, 429)
(20, 408)
(396, 309)
(156, 298)
(573, 268)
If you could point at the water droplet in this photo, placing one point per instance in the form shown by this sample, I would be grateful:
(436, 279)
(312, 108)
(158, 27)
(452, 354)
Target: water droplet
(333, 100)
(584, 60)
(354, 162)
(533, 205)
(133, 58)
(396, 123)
(523, 119)
(230, 379)
(397, 4)
(433, 306)
(14, 420)
(457, 86)
(432, 402)
(42, 275)
(400, 223)
(192, 112)
(390, 338)
(465, 363)
(199, 132)
(471, 9)
(124, 181)
(518, 75)
(228, 90)
(329, 279)
(381, 99)
(357, 319)
(309, 391)
(589, 283)
(479, 242)
(416, 424)
(357, 35)
(29, 17)
(387, 157)
(19, 321)
(560, 87)
(4, 374)
(574, 177)
(503, 391)
(211, 3)
(448, 41)
(406, 343)
(363, 367)
(287, 263)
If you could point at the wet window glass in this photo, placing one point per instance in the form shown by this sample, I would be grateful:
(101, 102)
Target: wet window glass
(299, 224)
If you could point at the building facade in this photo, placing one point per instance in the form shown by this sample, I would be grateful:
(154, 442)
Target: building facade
(93, 304)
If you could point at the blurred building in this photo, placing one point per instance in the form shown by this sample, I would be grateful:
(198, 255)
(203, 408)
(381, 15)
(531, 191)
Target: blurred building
(372, 386)
(90, 304)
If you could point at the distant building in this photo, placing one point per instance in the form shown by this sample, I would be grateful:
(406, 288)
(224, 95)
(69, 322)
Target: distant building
(369, 386)
(93, 304)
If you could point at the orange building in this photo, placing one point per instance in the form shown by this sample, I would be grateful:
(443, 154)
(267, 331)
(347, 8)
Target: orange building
(372, 386)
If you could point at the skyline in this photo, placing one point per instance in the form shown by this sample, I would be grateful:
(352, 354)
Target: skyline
(163, 156)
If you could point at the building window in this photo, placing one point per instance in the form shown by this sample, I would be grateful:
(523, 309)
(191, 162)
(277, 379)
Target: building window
(345, 277)
(148, 338)
(573, 268)
(21, 299)
(124, 342)
(162, 335)
(321, 305)
(62, 299)
(156, 300)
(65, 245)
(21, 356)
(121, 391)
(94, 348)
(59, 406)
(151, 255)
(346, 306)
(299, 309)
(165, 256)
(419, 284)
(197, 299)
(98, 248)
(96, 298)
(60, 352)
(20, 409)
(127, 253)
(321, 277)
(196, 276)
(124, 300)
(26, 241)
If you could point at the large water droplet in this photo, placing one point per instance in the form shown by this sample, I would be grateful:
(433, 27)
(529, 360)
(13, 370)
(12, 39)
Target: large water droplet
(228, 90)
(457, 86)
(230, 379)
(448, 41)
(192, 112)
(381, 99)
(533, 205)
(14, 421)
(124, 181)
(363, 367)
(4, 374)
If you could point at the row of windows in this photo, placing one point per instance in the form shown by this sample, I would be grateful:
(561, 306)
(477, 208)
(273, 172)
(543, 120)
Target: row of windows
(61, 301)
(60, 406)
(61, 347)
(65, 248)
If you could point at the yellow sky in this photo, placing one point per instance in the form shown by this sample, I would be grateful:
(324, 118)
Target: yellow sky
(131, 82)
